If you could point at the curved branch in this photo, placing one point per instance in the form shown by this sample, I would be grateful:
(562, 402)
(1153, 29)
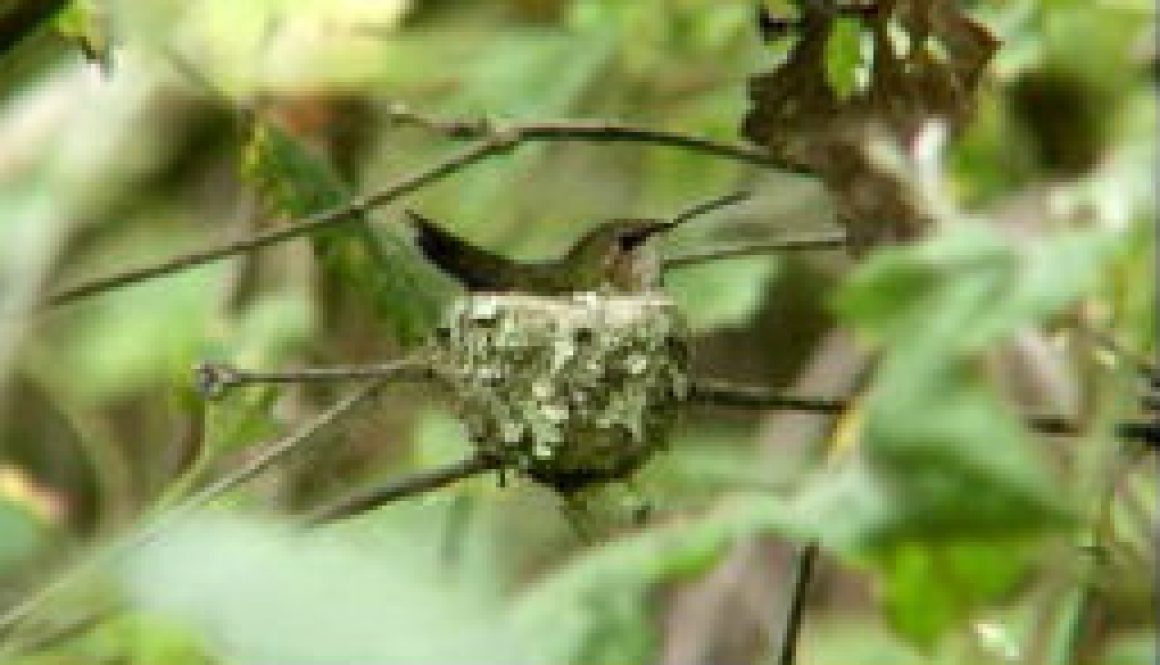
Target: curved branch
(592, 131)
(491, 140)
(346, 213)
(401, 488)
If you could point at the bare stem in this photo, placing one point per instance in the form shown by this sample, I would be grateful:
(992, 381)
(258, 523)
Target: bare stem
(803, 570)
(1140, 363)
(215, 379)
(346, 213)
(834, 240)
(491, 140)
(266, 456)
(593, 131)
(402, 488)
(723, 393)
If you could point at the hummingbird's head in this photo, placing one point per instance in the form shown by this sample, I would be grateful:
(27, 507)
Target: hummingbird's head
(618, 253)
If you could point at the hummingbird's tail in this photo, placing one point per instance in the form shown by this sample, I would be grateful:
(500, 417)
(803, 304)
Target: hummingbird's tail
(475, 268)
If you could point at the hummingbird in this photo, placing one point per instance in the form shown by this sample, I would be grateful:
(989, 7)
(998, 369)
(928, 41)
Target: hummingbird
(617, 256)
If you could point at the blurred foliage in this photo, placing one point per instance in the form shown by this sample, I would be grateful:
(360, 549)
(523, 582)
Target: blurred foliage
(134, 131)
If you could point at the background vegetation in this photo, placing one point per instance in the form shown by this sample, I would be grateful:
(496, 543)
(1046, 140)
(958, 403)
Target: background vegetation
(133, 131)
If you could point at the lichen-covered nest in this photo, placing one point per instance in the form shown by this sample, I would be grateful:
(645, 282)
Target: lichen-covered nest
(571, 390)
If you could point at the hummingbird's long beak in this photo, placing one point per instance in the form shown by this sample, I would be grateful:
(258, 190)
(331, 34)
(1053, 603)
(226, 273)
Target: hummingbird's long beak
(703, 208)
(639, 235)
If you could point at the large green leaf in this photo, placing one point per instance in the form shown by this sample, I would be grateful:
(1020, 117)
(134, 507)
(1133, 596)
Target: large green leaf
(947, 473)
(377, 262)
(596, 609)
(968, 286)
(261, 593)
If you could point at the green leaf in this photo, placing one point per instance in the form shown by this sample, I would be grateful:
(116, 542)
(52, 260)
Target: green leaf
(241, 418)
(85, 23)
(928, 589)
(843, 58)
(596, 609)
(377, 263)
(968, 287)
(947, 472)
(21, 534)
(261, 593)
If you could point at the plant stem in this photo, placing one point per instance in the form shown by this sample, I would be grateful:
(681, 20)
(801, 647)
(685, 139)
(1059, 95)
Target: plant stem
(492, 140)
(402, 488)
(804, 564)
(215, 379)
(266, 456)
(724, 393)
(834, 240)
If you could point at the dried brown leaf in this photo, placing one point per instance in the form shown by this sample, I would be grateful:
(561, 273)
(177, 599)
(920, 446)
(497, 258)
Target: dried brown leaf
(928, 59)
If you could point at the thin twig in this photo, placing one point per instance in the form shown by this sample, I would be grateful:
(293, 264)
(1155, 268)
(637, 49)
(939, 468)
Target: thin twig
(724, 393)
(593, 131)
(215, 379)
(804, 564)
(493, 140)
(270, 454)
(835, 240)
(402, 488)
(346, 213)
(1147, 433)
(267, 456)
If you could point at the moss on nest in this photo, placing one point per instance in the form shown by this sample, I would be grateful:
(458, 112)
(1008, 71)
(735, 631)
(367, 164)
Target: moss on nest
(571, 390)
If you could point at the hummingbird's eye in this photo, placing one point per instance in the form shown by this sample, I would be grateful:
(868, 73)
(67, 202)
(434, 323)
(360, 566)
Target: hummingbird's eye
(630, 240)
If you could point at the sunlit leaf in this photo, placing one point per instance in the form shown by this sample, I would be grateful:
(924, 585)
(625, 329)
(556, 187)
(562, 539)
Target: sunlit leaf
(844, 56)
(927, 589)
(260, 593)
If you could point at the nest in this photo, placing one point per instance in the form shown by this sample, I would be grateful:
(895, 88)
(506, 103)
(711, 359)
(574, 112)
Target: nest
(570, 390)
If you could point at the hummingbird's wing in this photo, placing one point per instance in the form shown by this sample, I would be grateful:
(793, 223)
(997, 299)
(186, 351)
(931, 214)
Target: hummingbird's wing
(477, 269)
